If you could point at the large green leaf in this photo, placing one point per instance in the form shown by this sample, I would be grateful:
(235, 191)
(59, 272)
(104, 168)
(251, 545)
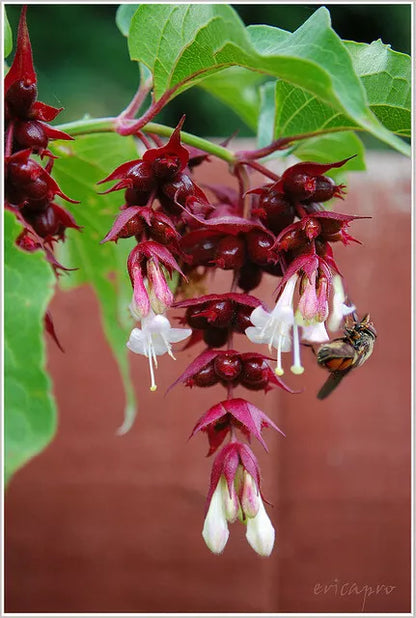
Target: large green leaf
(182, 44)
(81, 164)
(308, 110)
(179, 43)
(7, 32)
(29, 409)
(386, 76)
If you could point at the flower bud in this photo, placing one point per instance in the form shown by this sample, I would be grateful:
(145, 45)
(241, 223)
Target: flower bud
(308, 303)
(140, 295)
(230, 501)
(161, 297)
(250, 499)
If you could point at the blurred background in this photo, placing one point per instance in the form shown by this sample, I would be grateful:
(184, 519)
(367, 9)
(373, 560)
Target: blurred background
(100, 523)
(83, 63)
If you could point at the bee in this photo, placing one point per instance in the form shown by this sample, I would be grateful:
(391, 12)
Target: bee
(345, 353)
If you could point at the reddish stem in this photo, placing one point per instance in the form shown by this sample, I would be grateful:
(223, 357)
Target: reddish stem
(278, 144)
(263, 170)
(156, 139)
(136, 102)
(153, 110)
(144, 140)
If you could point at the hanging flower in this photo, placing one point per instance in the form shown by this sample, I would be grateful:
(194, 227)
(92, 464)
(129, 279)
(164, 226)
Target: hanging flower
(155, 338)
(277, 327)
(235, 494)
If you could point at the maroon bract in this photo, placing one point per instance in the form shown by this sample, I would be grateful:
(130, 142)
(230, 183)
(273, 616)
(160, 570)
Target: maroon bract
(233, 412)
(323, 226)
(219, 312)
(249, 369)
(136, 220)
(29, 187)
(304, 182)
(26, 118)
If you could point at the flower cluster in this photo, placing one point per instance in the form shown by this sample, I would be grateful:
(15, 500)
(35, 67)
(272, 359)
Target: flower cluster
(285, 232)
(29, 186)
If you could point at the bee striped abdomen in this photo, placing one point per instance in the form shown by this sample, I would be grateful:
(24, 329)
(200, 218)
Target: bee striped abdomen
(338, 364)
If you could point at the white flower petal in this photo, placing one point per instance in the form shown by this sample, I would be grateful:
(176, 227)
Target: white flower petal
(158, 323)
(136, 342)
(255, 335)
(178, 334)
(215, 531)
(260, 532)
(259, 316)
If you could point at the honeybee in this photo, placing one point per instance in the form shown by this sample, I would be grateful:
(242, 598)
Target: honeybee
(345, 353)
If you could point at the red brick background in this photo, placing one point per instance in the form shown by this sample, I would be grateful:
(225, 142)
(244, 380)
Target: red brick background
(101, 523)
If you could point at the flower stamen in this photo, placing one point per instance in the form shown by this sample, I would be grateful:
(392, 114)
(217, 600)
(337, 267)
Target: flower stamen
(296, 368)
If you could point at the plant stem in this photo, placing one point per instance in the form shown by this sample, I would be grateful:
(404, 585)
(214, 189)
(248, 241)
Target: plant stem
(109, 125)
(135, 104)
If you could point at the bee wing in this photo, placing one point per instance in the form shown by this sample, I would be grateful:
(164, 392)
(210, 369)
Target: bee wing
(332, 382)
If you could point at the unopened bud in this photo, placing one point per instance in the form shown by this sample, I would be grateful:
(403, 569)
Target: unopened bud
(250, 499)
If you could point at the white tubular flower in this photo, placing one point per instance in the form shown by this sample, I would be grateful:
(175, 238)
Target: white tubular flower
(274, 327)
(155, 339)
(215, 531)
(260, 532)
(339, 308)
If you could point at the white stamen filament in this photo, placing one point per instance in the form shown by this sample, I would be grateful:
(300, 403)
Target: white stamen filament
(296, 368)
(279, 371)
(152, 358)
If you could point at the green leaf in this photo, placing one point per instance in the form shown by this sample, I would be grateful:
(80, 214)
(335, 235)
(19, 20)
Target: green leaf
(385, 75)
(124, 15)
(81, 164)
(179, 43)
(29, 409)
(183, 44)
(8, 37)
(387, 78)
(238, 88)
(307, 104)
